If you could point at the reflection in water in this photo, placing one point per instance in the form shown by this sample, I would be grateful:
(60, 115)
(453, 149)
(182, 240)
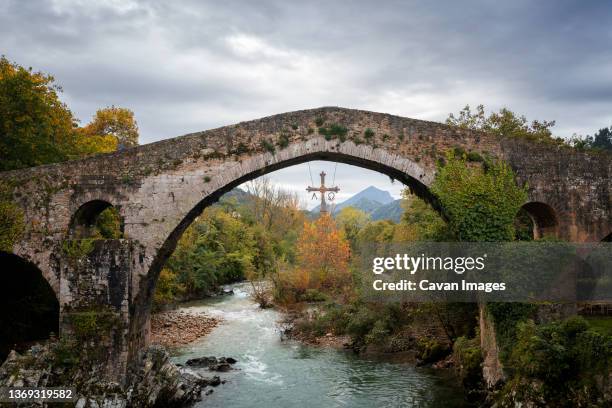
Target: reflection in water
(271, 373)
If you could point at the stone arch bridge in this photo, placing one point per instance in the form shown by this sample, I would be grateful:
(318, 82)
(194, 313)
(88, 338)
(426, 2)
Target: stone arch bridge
(161, 187)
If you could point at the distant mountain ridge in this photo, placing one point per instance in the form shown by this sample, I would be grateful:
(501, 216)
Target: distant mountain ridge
(380, 204)
(392, 211)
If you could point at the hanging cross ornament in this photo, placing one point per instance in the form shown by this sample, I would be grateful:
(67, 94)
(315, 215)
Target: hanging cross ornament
(331, 193)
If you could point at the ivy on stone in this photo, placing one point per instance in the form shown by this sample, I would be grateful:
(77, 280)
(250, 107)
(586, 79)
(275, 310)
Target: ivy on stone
(480, 204)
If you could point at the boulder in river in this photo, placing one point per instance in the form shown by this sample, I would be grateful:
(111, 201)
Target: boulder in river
(222, 364)
(201, 361)
(214, 381)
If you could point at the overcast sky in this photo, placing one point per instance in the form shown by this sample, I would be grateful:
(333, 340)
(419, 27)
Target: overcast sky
(185, 66)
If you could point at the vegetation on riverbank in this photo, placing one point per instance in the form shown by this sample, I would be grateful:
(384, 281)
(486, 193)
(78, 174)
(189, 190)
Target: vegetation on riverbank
(247, 235)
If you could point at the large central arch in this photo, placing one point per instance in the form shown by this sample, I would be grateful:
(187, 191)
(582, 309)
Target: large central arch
(417, 186)
(398, 168)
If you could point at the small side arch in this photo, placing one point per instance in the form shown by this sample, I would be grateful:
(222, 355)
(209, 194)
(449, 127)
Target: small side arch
(96, 218)
(543, 218)
(29, 309)
(607, 238)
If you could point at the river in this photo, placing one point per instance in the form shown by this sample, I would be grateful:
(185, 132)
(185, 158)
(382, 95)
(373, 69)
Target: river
(272, 373)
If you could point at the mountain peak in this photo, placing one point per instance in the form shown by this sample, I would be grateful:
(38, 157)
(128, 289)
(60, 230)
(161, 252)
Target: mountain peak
(367, 200)
(373, 193)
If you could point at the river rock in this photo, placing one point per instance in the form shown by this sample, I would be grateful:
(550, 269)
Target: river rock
(201, 361)
(222, 364)
(177, 328)
(214, 381)
(153, 382)
(223, 367)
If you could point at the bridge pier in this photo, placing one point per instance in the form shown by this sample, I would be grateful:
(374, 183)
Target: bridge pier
(95, 291)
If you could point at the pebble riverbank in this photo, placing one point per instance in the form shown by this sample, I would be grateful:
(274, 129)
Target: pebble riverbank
(178, 328)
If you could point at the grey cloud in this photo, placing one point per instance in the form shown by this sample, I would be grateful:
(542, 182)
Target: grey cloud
(174, 63)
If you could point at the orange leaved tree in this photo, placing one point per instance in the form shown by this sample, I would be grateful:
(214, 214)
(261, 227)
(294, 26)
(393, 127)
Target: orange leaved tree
(323, 255)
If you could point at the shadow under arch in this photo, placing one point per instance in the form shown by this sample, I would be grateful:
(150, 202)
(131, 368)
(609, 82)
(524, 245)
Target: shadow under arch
(29, 309)
(607, 238)
(544, 218)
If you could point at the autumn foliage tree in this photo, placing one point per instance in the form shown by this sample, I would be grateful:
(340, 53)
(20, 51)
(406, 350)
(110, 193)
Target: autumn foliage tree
(322, 267)
(36, 127)
(116, 124)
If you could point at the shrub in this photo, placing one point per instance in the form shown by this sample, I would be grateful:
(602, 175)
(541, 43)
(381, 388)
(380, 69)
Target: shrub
(378, 334)
(283, 140)
(474, 157)
(506, 317)
(459, 151)
(368, 134)
(361, 323)
(566, 359)
(313, 295)
(268, 146)
(430, 350)
(468, 359)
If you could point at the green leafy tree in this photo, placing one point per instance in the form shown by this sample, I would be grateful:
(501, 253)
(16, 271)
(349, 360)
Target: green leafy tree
(481, 205)
(503, 123)
(35, 126)
(352, 220)
(421, 222)
(377, 232)
(108, 223)
(566, 361)
(602, 140)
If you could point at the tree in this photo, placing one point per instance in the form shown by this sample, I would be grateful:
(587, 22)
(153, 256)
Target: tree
(602, 140)
(503, 123)
(278, 212)
(35, 126)
(380, 231)
(480, 205)
(421, 222)
(117, 123)
(168, 288)
(323, 252)
(217, 248)
(352, 220)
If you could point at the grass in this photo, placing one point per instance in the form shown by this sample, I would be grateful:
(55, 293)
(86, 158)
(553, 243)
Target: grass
(600, 324)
